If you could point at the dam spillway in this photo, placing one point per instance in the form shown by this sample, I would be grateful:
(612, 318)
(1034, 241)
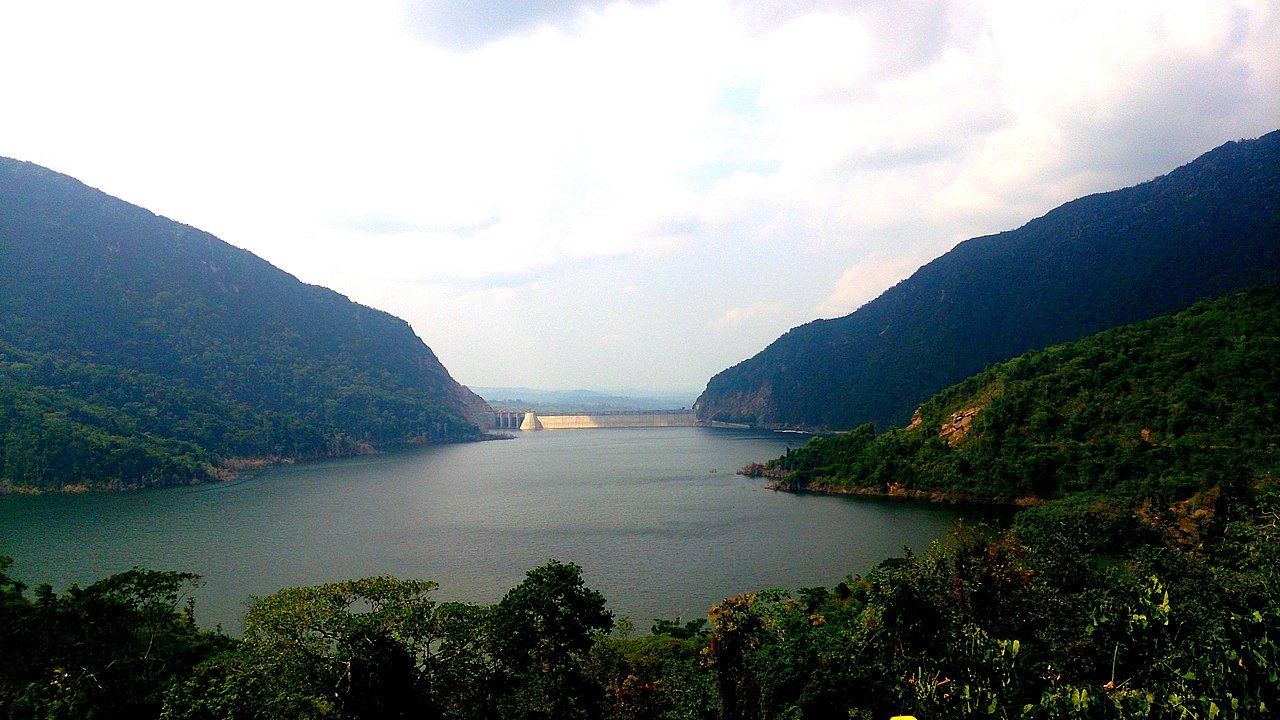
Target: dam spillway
(578, 421)
(530, 420)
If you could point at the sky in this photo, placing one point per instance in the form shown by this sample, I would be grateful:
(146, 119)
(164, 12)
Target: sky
(622, 196)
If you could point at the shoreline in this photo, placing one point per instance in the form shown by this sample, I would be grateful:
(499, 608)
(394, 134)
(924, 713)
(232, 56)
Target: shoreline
(230, 470)
(900, 493)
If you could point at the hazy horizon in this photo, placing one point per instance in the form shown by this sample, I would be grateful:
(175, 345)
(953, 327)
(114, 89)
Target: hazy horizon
(624, 398)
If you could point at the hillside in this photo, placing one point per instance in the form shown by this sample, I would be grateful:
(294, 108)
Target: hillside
(1203, 230)
(1162, 408)
(137, 351)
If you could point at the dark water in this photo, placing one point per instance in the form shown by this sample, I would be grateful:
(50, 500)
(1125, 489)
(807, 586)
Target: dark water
(656, 517)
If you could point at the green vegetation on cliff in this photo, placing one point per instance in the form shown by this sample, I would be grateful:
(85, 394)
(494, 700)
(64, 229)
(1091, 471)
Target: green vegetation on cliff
(1203, 230)
(1162, 408)
(136, 351)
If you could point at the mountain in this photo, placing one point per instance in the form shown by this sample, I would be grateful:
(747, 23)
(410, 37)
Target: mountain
(137, 351)
(1101, 261)
(1164, 408)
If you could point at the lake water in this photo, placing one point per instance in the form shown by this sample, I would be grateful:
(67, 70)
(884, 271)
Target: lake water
(657, 518)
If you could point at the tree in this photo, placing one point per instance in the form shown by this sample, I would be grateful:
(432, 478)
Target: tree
(353, 649)
(108, 650)
(545, 626)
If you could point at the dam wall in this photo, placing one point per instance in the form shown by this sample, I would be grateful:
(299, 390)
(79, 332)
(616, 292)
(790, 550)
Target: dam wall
(580, 421)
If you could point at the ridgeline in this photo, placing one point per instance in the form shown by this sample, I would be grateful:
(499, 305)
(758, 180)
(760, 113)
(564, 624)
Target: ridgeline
(136, 351)
(1206, 229)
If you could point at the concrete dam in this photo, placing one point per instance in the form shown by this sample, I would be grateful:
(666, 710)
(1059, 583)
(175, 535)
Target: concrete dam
(532, 420)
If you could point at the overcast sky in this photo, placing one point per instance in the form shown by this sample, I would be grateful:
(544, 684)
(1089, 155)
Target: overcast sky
(622, 195)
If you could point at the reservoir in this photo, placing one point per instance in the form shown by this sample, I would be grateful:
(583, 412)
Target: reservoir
(657, 518)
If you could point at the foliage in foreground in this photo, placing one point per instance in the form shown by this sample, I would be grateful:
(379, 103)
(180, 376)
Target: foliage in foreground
(1085, 608)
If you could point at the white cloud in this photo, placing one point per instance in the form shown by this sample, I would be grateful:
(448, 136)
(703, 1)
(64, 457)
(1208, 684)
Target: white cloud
(469, 24)
(516, 177)
(864, 281)
(746, 313)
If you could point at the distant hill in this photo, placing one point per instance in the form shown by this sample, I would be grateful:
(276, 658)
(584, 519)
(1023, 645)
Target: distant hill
(1163, 408)
(137, 351)
(554, 401)
(1102, 261)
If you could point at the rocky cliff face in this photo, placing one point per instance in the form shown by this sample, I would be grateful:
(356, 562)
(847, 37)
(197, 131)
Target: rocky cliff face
(753, 406)
(476, 409)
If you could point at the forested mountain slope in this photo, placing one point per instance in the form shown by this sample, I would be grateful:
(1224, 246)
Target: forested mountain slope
(1102, 261)
(1160, 409)
(137, 351)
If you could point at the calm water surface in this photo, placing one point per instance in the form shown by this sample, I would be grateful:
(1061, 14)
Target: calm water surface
(656, 517)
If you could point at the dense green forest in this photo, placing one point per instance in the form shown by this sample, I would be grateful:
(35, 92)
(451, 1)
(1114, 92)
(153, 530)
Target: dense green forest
(1144, 583)
(136, 351)
(1201, 231)
(1151, 409)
